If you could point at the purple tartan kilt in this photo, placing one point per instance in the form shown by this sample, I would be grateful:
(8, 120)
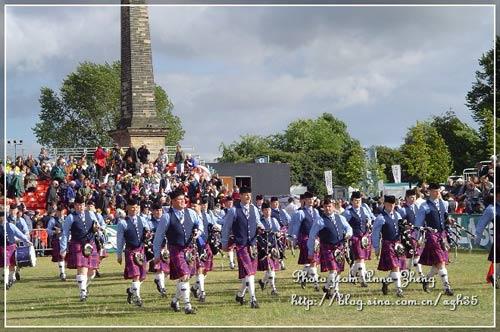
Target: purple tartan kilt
(103, 253)
(266, 263)
(357, 251)
(208, 264)
(160, 267)
(246, 265)
(432, 253)
(389, 259)
(10, 258)
(304, 255)
(327, 258)
(75, 258)
(56, 249)
(133, 270)
(179, 267)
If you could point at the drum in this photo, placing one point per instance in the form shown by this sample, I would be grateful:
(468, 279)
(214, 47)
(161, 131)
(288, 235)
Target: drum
(25, 256)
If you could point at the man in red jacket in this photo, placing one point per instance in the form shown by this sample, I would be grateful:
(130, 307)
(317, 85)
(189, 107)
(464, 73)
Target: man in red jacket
(100, 161)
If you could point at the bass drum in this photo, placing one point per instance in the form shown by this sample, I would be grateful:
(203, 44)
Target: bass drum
(26, 256)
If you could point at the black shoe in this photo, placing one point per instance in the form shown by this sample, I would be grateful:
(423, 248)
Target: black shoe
(425, 286)
(254, 304)
(303, 284)
(202, 297)
(157, 283)
(316, 287)
(327, 292)
(129, 296)
(364, 284)
(9, 285)
(83, 297)
(97, 274)
(175, 306)
(240, 299)
(262, 284)
(399, 292)
(274, 292)
(194, 291)
(385, 288)
(163, 292)
(190, 311)
(62, 276)
(138, 301)
(448, 291)
(18, 276)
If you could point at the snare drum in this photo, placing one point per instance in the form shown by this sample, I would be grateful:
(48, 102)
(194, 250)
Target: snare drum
(25, 256)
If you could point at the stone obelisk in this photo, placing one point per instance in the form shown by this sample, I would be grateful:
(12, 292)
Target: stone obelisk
(139, 123)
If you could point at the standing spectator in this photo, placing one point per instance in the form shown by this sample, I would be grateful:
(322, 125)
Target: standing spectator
(179, 160)
(58, 173)
(132, 153)
(143, 154)
(100, 161)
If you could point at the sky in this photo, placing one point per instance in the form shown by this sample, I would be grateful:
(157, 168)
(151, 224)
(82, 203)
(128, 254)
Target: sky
(232, 71)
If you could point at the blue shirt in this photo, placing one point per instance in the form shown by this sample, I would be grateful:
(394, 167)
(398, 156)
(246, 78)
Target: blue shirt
(377, 227)
(230, 217)
(284, 217)
(68, 222)
(20, 224)
(486, 218)
(297, 219)
(424, 209)
(270, 224)
(319, 224)
(142, 225)
(51, 224)
(13, 233)
(191, 220)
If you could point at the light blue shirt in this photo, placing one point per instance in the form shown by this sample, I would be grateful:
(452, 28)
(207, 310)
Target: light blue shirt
(486, 218)
(284, 217)
(270, 224)
(230, 217)
(68, 222)
(191, 220)
(297, 219)
(319, 224)
(363, 213)
(51, 224)
(142, 224)
(377, 227)
(14, 233)
(20, 224)
(425, 209)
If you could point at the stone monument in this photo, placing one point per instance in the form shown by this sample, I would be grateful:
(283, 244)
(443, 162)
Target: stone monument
(139, 123)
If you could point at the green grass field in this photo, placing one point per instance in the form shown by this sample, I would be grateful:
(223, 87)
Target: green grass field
(40, 299)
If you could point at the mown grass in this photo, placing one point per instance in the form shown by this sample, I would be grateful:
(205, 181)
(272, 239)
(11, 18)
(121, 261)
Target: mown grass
(40, 299)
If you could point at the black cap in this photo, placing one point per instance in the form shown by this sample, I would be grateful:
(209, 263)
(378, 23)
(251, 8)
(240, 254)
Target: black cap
(411, 192)
(156, 206)
(259, 197)
(390, 199)
(176, 193)
(245, 190)
(308, 194)
(301, 196)
(355, 195)
(90, 202)
(21, 206)
(229, 198)
(132, 201)
(265, 205)
(434, 186)
(79, 199)
(274, 199)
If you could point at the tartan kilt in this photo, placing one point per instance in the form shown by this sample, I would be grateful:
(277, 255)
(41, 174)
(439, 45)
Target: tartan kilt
(179, 267)
(358, 252)
(389, 259)
(208, 264)
(416, 248)
(103, 253)
(283, 239)
(246, 265)
(75, 258)
(56, 249)
(267, 263)
(10, 255)
(327, 257)
(160, 267)
(304, 252)
(433, 253)
(133, 270)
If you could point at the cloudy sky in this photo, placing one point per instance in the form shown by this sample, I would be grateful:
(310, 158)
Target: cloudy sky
(252, 70)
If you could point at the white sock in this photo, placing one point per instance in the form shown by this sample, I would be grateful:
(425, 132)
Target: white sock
(251, 286)
(185, 294)
(231, 256)
(93, 275)
(443, 273)
(330, 280)
(82, 282)
(6, 275)
(266, 277)
(362, 270)
(201, 282)
(314, 273)
(272, 278)
(336, 282)
(136, 288)
(160, 276)
(396, 277)
(354, 269)
(61, 267)
(243, 287)
(12, 275)
(417, 265)
(177, 295)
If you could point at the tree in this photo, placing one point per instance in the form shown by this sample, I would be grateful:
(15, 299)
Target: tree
(480, 100)
(463, 141)
(88, 106)
(425, 154)
(387, 157)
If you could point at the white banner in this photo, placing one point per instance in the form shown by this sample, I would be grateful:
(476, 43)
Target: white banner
(329, 182)
(396, 173)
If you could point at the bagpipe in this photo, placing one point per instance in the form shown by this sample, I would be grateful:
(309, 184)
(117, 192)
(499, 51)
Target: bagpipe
(196, 245)
(214, 239)
(343, 254)
(147, 241)
(406, 245)
(268, 245)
